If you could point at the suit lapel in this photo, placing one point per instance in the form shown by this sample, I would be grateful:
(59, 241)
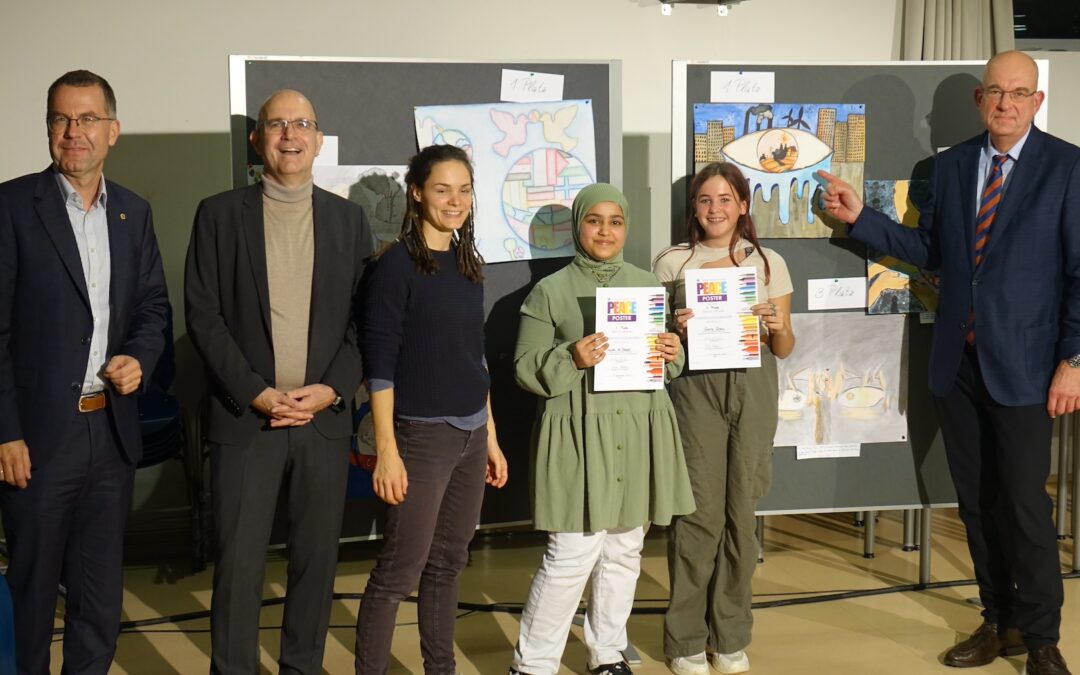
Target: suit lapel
(53, 214)
(968, 172)
(121, 251)
(255, 240)
(1021, 180)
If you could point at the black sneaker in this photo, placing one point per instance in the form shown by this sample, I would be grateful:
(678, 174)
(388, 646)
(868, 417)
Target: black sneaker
(619, 668)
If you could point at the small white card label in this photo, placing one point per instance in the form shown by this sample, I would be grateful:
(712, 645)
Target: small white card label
(737, 86)
(827, 450)
(843, 293)
(523, 86)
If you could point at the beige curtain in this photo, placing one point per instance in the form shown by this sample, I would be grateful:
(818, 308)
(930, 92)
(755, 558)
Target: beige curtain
(956, 29)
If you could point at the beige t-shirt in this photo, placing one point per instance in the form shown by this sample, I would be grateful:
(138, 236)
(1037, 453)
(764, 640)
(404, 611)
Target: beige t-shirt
(672, 262)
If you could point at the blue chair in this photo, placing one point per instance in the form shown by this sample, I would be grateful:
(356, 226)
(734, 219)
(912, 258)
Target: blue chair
(7, 631)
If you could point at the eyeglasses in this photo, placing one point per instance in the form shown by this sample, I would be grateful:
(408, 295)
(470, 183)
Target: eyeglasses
(278, 126)
(1014, 96)
(58, 123)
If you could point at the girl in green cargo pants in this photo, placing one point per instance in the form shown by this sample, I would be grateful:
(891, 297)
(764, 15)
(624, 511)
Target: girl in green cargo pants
(727, 419)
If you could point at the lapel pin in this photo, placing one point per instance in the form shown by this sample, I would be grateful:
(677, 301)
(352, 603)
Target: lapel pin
(123, 216)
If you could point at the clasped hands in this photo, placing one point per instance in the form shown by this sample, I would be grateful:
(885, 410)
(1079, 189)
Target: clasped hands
(296, 407)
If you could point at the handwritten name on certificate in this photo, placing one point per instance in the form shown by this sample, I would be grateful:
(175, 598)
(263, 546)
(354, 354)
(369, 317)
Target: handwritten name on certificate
(632, 319)
(724, 333)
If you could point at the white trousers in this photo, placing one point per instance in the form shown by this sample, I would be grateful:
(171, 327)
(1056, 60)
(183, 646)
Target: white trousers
(612, 559)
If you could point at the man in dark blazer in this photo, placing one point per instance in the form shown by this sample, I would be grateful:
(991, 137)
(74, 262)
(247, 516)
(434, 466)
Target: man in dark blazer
(1003, 230)
(271, 293)
(83, 311)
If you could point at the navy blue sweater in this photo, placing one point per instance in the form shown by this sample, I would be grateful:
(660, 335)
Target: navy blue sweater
(425, 333)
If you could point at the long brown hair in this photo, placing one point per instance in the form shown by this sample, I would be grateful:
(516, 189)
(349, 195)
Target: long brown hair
(744, 227)
(469, 261)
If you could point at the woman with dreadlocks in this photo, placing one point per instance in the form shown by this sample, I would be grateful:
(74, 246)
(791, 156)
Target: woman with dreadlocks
(435, 439)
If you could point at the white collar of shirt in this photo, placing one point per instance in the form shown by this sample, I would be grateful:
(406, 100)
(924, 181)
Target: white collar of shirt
(70, 193)
(1014, 152)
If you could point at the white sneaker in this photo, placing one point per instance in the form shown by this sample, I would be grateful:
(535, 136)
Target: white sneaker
(735, 662)
(689, 665)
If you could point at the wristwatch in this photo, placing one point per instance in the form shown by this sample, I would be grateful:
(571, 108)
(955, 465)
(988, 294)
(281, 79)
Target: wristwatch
(1073, 361)
(338, 404)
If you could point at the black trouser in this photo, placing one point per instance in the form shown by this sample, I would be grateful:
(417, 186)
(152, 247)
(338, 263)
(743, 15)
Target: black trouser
(246, 481)
(427, 541)
(999, 457)
(68, 524)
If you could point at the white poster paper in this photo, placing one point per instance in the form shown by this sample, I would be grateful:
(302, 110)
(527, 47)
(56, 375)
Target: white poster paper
(328, 153)
(844, 382)
(724, 333)
(631, 319)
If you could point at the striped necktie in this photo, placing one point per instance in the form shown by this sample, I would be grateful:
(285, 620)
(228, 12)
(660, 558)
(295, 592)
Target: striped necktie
(988, 206)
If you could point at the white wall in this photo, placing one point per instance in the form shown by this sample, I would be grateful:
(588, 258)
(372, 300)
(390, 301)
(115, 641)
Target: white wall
(167, 62)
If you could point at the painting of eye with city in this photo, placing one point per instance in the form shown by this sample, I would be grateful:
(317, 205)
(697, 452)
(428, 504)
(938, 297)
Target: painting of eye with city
(779, 147)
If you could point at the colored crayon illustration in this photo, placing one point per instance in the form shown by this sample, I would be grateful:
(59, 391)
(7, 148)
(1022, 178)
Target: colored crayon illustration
(779, 147)
(655, 359)
(531, 160)
(750, 338)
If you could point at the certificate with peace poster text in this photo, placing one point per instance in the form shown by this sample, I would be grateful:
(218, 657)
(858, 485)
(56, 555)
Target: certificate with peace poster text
(631, 319)
(724, 332)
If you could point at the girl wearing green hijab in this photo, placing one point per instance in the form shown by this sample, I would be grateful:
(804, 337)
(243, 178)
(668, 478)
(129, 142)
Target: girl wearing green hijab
(604, 464)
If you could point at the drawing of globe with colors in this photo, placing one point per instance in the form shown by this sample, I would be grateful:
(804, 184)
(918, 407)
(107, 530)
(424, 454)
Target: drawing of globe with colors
(537, 195)
(777, 150)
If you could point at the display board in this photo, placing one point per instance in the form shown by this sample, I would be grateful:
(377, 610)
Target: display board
(367, 107)
(864, 122)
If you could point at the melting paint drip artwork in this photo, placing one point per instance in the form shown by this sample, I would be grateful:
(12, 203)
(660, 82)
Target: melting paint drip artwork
(530, 161)
(892, 285)
(779, 147)
(843, 383)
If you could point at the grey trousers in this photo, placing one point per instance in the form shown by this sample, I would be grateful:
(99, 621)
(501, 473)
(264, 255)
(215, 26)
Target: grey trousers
(427, 541)
(727, 419)
(246, 481)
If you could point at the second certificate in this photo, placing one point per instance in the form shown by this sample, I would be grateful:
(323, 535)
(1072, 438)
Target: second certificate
(724, 332)
(631, 318)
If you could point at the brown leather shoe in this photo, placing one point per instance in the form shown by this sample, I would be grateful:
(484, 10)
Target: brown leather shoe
(985, 644)
(1046, 660)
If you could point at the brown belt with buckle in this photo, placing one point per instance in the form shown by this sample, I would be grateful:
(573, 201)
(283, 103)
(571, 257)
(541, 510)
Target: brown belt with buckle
(92, 402)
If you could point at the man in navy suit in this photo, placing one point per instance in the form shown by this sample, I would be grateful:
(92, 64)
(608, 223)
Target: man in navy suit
(82, 317)
(1003, 230)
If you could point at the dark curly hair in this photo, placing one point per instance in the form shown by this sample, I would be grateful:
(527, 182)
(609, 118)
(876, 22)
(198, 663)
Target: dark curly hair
(469, 261)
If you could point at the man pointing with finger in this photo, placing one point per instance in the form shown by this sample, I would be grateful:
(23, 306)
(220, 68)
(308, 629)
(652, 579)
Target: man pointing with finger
(1002, 228)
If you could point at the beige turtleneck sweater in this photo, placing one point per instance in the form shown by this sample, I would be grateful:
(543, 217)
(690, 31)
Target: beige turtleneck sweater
(290, 259)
